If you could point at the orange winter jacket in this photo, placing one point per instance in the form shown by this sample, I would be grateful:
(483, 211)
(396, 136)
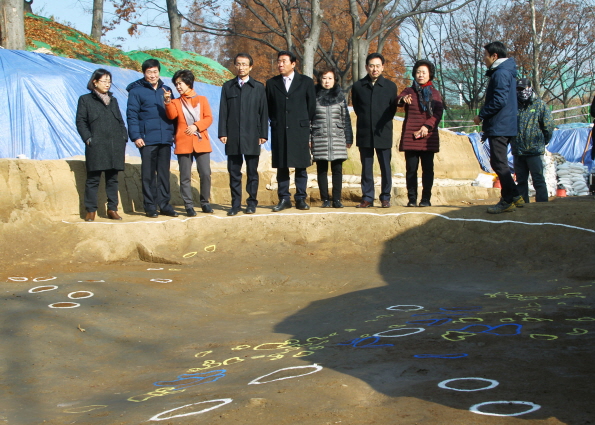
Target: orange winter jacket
(187, 144)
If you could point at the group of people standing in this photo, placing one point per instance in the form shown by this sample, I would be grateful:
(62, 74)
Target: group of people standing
(307, 122)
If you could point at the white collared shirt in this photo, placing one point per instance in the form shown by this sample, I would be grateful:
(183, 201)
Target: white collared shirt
(287, 80)
(242, 82)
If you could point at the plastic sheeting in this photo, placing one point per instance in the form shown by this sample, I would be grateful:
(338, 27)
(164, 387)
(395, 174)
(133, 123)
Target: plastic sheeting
(41, 93)
(569, 143)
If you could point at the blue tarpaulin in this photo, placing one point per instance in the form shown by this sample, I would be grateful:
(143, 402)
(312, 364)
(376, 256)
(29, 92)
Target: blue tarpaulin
(41, 94)
(570, 143)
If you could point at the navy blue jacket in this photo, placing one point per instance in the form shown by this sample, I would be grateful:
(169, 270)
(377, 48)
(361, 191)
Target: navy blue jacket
(146, 113)
(499, 113)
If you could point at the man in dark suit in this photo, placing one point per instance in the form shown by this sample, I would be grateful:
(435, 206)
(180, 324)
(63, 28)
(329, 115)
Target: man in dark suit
(375, 104)
(243, 119)
(291, 99)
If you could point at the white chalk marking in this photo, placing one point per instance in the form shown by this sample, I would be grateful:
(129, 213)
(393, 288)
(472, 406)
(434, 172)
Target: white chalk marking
(44, 279)
(223, 402)
(150, 268)
(50, 288)
(161, 280)
(252, 216)
(81, 281)
(493, 384)
(84, 409)
(317, 368)
(533, 408)
(18, 279)
(72, 297)
(72, 305)
(415, 331)
(398, 307)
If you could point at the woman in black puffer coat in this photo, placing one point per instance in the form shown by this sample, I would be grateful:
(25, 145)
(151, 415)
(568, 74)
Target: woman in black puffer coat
(331, 135)
(100, 125)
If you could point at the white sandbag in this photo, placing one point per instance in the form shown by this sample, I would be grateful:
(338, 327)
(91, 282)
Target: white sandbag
(484, 180)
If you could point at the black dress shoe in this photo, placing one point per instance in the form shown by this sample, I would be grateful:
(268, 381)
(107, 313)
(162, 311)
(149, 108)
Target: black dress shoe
(425, 203)
(337, 204)
(206, 208)
(250, 209)
(152, 214)
(411, 204)
(190, 212)
(169, 213)
(300, 204)
(365, 204)
(282, 205)
(326, 204)
(232, 212)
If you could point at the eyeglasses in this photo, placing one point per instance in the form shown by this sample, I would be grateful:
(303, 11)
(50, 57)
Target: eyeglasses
(104, 81)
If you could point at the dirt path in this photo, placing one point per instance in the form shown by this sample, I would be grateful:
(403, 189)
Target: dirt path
(383, 313)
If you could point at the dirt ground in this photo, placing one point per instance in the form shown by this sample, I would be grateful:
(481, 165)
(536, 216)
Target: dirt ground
(442, 315)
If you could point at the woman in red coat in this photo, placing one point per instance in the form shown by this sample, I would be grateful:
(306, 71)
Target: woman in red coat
(192, 115)
(420, 139)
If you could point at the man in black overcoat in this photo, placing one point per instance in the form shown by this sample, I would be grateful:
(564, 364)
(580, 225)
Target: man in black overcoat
(243, 119)
(374, 101)
(291, 99)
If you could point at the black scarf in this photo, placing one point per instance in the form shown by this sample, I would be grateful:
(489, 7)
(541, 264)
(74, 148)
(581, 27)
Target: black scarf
(327, 97)
(424, 94)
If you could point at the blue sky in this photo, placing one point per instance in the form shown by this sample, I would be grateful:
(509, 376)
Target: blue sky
(77, 13)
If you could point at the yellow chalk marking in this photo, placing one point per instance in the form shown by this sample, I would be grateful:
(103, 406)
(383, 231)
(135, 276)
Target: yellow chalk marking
(210, 248)
(84, 409)
(543, 337)
(190, 254)
(577, 331)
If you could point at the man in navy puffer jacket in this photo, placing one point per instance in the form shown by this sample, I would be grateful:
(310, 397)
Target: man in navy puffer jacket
(499, 116)
(153, 134)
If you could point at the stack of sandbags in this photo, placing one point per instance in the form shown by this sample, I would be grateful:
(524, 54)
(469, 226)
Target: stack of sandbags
(549, 172)
(572, 176)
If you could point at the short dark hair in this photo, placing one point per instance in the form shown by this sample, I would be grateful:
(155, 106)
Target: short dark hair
(151, 63)
(496, 47)
(243, 55)
(185, 75)
(97, 75)
(374, 56)
(425, 62)
(326, 70)
(291, 55)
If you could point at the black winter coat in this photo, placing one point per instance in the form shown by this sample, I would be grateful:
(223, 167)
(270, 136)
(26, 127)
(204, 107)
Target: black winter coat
(105, 127)
(243, 117)
(375, 106)
(500, 110)
(291, 114)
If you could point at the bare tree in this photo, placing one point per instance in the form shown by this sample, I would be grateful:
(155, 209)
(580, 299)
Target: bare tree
(97, 23)
(13, 24)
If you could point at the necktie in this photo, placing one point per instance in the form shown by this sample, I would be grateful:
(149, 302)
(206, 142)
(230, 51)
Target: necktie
(241, 83)
(287, 83)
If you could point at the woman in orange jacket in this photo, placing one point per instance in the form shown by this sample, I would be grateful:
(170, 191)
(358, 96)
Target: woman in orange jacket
(192, 115)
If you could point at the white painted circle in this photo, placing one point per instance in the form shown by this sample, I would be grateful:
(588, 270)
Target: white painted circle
(400, 307)
(52, 287)
(44, 279)
(89, 295)
(493, 384)
(161, 280)
(533, 408)
(18, 279)
(415, 331)
(317, 368)
(54, 305)
(223, 402)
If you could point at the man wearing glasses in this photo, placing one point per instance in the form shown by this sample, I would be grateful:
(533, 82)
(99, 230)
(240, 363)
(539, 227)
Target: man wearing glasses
(374, 101)
(243, 127)
(153, 134)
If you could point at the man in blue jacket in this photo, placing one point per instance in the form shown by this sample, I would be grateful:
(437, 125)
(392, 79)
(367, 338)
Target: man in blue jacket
(499, 117)
(153, 135)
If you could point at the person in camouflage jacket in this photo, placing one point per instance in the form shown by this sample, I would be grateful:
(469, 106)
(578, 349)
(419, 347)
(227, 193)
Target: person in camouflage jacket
(535, 129)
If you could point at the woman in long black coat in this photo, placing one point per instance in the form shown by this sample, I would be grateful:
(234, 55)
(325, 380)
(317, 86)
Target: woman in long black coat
(100, 125)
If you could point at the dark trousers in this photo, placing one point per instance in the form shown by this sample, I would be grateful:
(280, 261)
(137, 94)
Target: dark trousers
(234, 166)
(412, 160)
(203, 165)
(499, 163)
(155, 176)
(367, 159)
(111, 189)
(322, 172)
(523, 165)
(301, 181)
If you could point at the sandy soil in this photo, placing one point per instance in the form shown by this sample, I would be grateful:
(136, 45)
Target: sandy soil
(441, 315)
